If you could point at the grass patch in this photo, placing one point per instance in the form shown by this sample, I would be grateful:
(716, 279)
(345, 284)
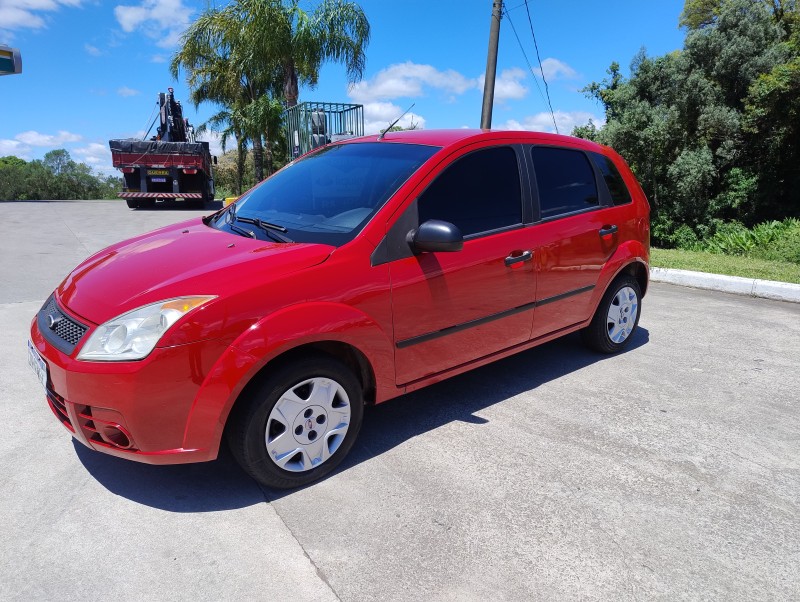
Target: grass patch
(713, 263)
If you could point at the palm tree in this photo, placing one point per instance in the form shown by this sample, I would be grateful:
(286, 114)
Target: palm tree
(295, 43)
(219, 70)
(265, 116)
(230, 123)
(250, 52)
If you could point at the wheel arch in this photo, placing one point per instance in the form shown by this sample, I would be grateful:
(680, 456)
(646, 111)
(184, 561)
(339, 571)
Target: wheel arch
(332, 329)
(639, 271)
(348, 354)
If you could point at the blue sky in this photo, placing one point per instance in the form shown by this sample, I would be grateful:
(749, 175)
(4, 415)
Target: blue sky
(92, 68)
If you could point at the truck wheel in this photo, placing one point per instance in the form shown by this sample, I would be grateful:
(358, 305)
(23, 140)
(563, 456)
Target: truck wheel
(616, 317)
(299, 423)
(132, 203)
(147, 203)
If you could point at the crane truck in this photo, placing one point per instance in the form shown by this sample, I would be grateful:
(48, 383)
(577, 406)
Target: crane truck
(170, 166)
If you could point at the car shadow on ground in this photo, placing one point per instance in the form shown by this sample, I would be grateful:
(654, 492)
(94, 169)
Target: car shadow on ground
(203, 487)
(222, 485)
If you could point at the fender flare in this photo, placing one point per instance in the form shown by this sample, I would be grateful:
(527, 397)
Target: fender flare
(631, 252)
(271, 337)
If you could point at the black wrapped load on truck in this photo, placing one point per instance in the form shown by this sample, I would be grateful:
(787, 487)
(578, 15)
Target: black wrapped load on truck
(169, 166)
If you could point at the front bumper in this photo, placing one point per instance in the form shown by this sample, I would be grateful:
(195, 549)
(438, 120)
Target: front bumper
(168, 408)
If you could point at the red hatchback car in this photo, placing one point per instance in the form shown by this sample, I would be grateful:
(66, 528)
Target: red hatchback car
(365, 270)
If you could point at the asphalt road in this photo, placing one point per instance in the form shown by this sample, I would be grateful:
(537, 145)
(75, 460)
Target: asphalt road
(671, 471)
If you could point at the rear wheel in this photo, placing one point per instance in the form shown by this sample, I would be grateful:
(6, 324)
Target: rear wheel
(132, 203)
(299, 423)
(616, 317)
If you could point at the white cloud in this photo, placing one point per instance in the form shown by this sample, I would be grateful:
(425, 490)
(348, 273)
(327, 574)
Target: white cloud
(34, 138)
(33, 145)
(14, 147)
(97, 156)
(92, 50)
(378, 116)
(93, 150)
(554, 69)
(125, 91)
(508, 86)
(412, 80)
(409, 80)
(160, 20)
(16, 14)
(214, 140)
(158, 58)
(543, 122)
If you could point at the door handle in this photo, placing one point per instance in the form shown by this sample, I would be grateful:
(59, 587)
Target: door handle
(524, 256)
(605, 231)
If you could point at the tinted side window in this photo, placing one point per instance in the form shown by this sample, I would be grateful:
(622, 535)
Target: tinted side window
(616, 185)
(565, 180)
(478, 192)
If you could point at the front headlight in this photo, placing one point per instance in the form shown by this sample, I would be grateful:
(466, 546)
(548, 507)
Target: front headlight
(132, 336)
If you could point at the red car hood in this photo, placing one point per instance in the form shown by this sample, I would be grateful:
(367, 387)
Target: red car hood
(189, 258)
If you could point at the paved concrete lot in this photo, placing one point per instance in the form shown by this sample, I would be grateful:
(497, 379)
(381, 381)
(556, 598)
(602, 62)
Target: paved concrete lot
(671, 471)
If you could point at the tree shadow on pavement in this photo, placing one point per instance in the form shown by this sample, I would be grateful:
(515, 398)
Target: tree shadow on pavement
(222, 485)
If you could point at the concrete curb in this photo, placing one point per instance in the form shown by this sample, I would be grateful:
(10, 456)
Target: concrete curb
(751, 287)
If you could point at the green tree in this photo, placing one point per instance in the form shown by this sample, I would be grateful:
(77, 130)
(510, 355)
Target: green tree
(57, 176)
(772, 134)
(711, 130)
(11, 160)
(58, 161)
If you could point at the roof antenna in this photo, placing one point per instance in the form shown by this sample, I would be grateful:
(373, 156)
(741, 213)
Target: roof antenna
(391, 125)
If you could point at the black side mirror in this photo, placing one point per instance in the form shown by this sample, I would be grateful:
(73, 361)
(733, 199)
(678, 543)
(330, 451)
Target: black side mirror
(215, 159)
(435, 236)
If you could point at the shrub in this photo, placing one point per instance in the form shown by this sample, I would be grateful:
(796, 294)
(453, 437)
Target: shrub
(785, 246)
(774, 241)
(731, 238)
(685, 238)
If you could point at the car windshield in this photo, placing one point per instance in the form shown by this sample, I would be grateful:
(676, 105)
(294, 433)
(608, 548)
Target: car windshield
(327, 197)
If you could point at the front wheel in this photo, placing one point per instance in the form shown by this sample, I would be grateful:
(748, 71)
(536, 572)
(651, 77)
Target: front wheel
(616, 317)
(299, 423)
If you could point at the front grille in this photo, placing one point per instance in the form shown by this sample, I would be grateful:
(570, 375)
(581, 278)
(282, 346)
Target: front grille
(65, 332)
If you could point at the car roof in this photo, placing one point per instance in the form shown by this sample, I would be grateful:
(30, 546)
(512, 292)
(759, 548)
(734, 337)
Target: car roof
(446, 138)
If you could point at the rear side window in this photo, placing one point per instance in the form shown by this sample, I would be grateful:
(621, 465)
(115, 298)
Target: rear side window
(565, 180)
(477, 193)
(616, 185)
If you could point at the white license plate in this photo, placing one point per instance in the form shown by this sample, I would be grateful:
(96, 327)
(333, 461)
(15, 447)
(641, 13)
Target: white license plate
(37, 364)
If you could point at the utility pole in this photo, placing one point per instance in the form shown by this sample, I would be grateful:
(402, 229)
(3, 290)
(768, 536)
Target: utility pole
(491, 65)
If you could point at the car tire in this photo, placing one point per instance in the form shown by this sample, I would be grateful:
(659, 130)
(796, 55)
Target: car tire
(299, 423)
(132, 203)
(616, 318)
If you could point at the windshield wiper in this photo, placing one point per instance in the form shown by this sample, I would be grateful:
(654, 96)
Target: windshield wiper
(268, 227)
(242, 231)
(261, 223)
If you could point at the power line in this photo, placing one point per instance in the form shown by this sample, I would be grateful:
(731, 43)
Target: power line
(541, 69)
(530, 67)
(533, 72)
